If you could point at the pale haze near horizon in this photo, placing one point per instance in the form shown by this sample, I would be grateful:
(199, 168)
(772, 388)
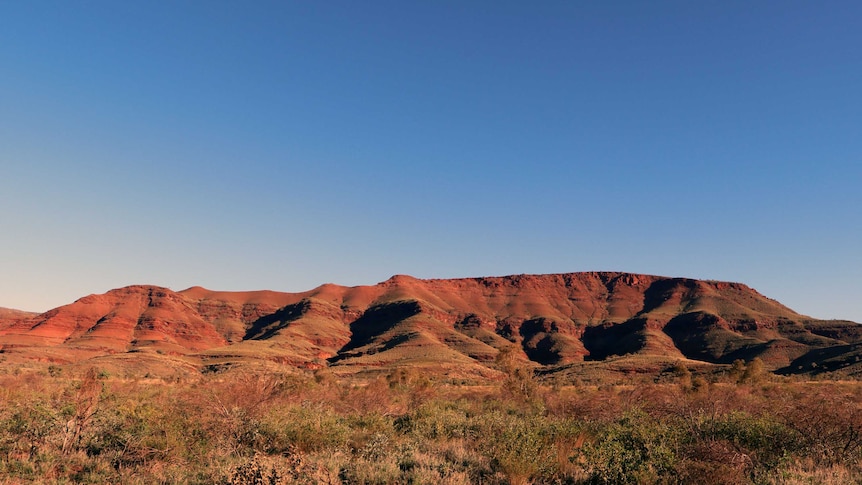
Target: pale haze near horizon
(280, 145)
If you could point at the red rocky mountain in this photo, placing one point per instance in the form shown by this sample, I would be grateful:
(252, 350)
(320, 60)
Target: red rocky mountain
(556, 320)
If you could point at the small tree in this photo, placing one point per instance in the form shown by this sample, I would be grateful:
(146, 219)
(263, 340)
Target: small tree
(683, 374)
(519, 380)
(755, 371)
(737, 369)
(84, 407)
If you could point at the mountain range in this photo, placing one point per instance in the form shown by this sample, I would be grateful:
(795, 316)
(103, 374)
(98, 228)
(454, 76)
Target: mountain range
(556, 322)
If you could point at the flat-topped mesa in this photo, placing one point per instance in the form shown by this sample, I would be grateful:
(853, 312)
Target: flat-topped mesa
(590, 297)
(553, 319)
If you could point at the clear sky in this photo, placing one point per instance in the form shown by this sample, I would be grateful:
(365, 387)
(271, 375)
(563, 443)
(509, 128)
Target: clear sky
(282, 145)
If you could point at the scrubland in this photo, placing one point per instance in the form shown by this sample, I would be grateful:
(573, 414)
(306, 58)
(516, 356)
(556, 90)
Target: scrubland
(263, 426)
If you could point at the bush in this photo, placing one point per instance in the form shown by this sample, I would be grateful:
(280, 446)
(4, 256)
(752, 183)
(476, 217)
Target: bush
(519, 447)
(634, 449)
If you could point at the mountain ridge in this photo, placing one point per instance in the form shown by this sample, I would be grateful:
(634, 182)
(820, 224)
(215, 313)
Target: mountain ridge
(553, 320)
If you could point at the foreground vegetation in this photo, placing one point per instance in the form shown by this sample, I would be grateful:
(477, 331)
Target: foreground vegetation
(266, 427)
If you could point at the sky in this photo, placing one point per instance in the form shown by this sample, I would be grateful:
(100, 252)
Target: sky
(282, 145)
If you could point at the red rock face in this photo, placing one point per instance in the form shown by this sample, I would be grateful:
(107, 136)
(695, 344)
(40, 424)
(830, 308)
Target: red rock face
(122, 320)
(554, 319)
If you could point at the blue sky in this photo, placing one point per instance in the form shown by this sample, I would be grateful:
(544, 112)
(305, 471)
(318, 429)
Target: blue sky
(282, 145)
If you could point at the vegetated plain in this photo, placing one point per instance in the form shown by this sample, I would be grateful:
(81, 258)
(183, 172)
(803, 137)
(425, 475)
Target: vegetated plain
(274, 425)
(571, 378)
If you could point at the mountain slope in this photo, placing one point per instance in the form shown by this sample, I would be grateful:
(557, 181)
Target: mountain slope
(456, 324)
(118, 321)
(11, 313)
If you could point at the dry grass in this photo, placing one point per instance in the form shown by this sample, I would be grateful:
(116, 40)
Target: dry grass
(264, 426)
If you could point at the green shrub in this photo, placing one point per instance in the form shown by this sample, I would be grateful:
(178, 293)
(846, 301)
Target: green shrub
(308, 428)
(519, 447)
(438, 420)
(634, 449)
